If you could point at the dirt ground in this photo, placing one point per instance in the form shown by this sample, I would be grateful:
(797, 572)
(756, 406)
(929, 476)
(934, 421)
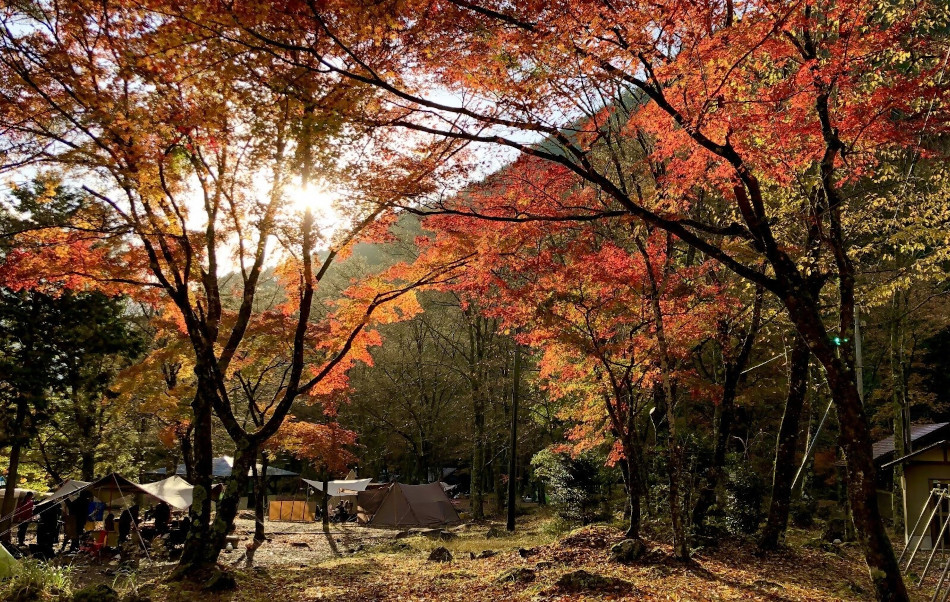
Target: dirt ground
(302, 563)
(303, 544)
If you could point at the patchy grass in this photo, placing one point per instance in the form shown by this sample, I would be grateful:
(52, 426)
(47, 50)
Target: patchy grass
(33, 580)
(399, 570)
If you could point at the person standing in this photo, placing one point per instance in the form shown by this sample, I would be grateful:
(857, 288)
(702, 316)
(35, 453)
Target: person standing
(23, 515)
(47, 529)
(163, 514)
(78, 512)
(125, 525)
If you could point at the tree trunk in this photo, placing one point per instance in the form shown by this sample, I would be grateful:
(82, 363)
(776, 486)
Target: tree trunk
(901, 413)
(478, 458)
(786, 447)
(680, 543)
(227, 507)
(674, 451)
(734, 370)
(260, 498)
(631, 470)
(855, 440)
(203, 555)
(325, 501)
(513, 441)
(88, 464)
(13, 469)
(9, 492)
(194, 556)
(188, 454)
(708, 494)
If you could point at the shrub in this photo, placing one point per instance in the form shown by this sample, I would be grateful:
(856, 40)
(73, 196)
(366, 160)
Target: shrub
(743, 501)
(34, 580)
(574, 484)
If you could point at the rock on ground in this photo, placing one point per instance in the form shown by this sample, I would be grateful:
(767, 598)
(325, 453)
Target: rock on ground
(628, 550)
(516, 575)
(440, 554)
(96, 593)
(582, 580)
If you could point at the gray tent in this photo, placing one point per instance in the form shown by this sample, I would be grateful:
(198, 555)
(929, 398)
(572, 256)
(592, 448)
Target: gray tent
(415, 506)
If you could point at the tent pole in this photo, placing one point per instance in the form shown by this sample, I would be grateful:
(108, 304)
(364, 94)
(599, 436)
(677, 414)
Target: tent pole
(811, 446)
(943, 575)
(135, 524)
(921, 537)
(933, 546)
(916, 524)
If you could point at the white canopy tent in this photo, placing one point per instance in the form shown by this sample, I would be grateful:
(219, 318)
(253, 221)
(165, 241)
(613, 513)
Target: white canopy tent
(340, 487)
(174, 491)
(66, 489)
(116, 490)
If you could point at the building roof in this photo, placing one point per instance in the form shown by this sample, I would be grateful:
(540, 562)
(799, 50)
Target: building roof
(903, 459)
(921, 434)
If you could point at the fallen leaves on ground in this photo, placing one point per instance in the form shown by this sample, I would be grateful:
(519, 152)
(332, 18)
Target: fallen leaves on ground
(387, 572)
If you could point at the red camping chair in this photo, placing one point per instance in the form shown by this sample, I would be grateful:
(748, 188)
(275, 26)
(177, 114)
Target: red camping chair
(94, 547)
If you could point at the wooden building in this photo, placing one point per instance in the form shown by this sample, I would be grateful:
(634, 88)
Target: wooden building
(926, 466)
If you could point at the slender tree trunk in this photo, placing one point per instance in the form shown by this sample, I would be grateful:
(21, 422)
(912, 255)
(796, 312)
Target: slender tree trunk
(734, 376)
(187, 453)
(325, 501)
(674, 451)
(724, 416)
(260, 498)
(513, 441)
(478, 457)
(786, 447)
(499, 487)
(901, 413)
(9, 492)
(680, 543)
(631, 473)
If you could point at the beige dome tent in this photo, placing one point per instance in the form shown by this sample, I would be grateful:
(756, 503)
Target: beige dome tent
(415, 506)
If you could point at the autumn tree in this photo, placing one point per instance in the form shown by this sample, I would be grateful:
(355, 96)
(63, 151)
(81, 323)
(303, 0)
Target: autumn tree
(763, 118)
(598, 299)
(61, 349)
(189, 149)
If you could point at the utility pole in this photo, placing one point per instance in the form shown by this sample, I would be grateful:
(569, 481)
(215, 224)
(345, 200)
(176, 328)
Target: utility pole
(513, 447)
(858, 356)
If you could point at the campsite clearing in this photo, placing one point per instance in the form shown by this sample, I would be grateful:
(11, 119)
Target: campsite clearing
(371, 564)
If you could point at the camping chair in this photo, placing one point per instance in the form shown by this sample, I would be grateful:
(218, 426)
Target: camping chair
(94, 546)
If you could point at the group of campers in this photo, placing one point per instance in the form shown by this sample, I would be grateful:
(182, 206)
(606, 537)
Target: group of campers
(80, 517)
(78, 522)
(105, 517)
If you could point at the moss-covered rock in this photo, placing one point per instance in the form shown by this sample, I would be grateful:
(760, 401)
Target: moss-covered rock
(440, 554)
(628, 550)
(582, 580)
(518, 574)
(96, 593)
